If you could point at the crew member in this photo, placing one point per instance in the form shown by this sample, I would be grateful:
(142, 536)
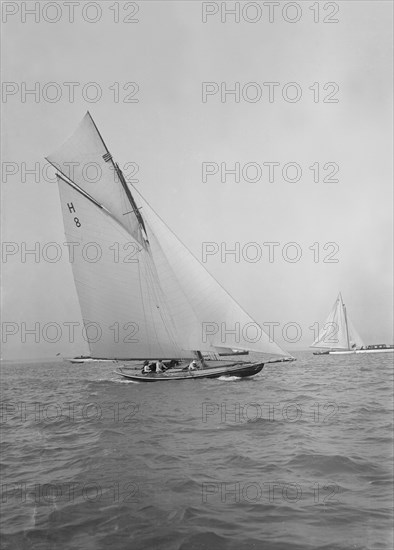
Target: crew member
(146, 369)
(160, 367)
(193, 365)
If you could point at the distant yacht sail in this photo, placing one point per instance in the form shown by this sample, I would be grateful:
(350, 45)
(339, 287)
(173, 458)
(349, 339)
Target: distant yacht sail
(146, 294)
(338, 334)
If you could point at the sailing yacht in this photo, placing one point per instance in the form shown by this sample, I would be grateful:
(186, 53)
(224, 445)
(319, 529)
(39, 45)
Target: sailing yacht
(142, 294)
(339, 337)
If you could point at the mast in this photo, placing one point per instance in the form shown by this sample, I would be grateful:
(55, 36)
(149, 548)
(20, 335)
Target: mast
(347, 328)
(130, 197)
(122, 180)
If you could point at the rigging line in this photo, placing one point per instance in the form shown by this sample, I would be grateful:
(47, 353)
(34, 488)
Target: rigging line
(172, 272)
(148, 289)
(190, 252)
(164, 310)
(130, 197)
(98, 131)
(162, 299)
(347, 328)
(155, 287)
(120, 175)
(153, 310)
(142, 301)
(158, 289)
(342, 323)
(158, 310)
(159, 293)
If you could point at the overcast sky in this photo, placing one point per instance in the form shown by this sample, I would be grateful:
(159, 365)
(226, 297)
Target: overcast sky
(170, 132)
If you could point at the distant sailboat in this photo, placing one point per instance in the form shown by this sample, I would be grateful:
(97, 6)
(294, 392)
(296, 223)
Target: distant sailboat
(86, 359)
(339, 337)
(145, 296)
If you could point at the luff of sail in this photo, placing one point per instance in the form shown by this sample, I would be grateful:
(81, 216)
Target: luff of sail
(338, 331)
(163, 293)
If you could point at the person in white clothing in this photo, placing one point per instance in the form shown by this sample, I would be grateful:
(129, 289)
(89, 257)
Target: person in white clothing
(146, 368)
(160, 367)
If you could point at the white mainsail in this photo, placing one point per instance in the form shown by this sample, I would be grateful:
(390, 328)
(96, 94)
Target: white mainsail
(120, 305)
(338, 332)
(155, 301)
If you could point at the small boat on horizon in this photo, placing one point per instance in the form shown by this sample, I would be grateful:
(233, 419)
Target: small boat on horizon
(289, 359)
(88, 359)
(339, 337)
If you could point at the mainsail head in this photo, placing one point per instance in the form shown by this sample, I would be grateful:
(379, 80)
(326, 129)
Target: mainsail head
(144, 295)
(85, 160)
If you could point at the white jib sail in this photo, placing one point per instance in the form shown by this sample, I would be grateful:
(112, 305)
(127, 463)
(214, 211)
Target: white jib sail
(206, 316)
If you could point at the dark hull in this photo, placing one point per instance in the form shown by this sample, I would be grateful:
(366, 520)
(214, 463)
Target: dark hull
(239, 370)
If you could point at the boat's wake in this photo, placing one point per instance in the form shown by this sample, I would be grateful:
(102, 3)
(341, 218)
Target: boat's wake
(124, 381)
(229, 378)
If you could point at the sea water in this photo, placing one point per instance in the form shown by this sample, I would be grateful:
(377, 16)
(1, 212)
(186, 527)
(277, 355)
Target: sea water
(297, 457)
